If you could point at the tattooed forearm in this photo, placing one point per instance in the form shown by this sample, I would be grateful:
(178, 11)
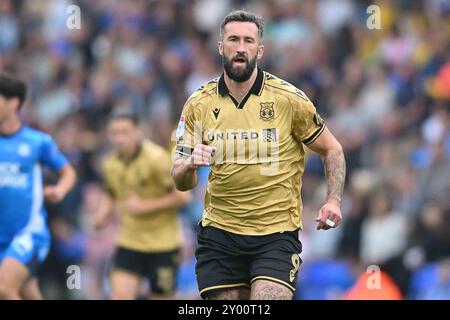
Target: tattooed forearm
(334, 163)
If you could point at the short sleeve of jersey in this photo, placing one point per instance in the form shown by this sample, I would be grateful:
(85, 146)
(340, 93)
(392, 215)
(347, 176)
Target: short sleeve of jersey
(51, 156)
(185, 133)
(307, 125)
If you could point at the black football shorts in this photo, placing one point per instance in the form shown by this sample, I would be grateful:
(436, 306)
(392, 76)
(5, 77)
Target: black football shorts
(229, 260)
(159, 267)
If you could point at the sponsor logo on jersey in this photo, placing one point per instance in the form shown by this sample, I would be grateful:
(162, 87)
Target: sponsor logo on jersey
(24, 150)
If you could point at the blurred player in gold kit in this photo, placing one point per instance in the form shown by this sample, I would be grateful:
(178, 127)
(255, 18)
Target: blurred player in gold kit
(137, 180)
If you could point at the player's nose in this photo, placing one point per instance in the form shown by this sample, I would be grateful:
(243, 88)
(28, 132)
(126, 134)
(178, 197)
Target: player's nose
(240, 50)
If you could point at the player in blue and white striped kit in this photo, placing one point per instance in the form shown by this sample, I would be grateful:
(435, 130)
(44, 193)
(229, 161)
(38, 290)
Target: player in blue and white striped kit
(24, 234)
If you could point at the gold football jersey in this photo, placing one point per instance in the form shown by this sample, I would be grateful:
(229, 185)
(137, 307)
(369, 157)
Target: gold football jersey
(147, 175)
(255, 181)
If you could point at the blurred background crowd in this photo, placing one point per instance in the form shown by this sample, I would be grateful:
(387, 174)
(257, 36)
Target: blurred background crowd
(384, 93)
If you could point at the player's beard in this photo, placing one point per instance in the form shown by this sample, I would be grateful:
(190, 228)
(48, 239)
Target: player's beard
(239, 74)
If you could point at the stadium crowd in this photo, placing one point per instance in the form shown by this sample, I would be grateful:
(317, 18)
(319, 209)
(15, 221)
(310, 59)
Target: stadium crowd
(385, 93)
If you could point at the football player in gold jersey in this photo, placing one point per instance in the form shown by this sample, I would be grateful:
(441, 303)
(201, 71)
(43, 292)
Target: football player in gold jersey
(251, 128)
(137, 180)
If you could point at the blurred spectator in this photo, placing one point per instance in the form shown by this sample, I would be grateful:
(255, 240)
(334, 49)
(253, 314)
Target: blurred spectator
(384, 232)
(432, 282)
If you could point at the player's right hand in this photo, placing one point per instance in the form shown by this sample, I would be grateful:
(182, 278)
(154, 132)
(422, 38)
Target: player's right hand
(329, 215)
(201, 156)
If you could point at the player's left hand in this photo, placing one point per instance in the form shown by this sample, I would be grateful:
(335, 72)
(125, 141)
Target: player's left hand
(54, 194)
(329, 215)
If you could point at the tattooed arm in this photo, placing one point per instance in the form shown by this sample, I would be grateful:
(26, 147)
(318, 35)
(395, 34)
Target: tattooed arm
(333, 159)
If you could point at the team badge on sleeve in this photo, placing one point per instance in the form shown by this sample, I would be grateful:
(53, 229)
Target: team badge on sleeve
(181, 127)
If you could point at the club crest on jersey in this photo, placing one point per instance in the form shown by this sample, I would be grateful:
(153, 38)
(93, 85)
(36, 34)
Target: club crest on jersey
(24, 150)
(181, 127)
(267, 112)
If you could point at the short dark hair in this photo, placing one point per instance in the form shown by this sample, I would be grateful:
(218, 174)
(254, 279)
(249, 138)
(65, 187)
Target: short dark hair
(243, 16)
(11, 87)
(125, 115)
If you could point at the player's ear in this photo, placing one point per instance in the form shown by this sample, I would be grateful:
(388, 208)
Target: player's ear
(220, 47)
(260, 51)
